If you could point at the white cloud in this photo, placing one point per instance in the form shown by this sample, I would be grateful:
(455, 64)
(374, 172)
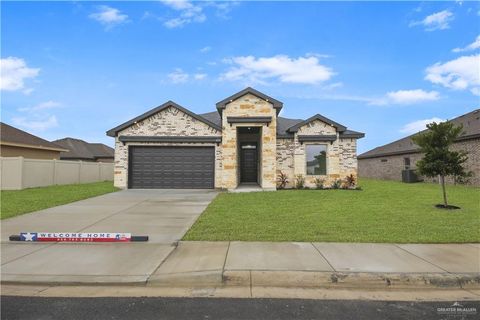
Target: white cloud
(41, 106)
(178, 76)
(306, 70)
(411, 96)
(189, 13)
(36, 124)
(37, 117)
(199, 76)
(223, 8)
(14, 71)
(437, 21)
(419, 125)
(332, 86)
(28, 91)
(458, 74)
(109, 16)
(472, 46)
(205, 49)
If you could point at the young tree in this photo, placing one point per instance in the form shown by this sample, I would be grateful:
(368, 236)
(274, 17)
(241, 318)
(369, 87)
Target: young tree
(438, 159)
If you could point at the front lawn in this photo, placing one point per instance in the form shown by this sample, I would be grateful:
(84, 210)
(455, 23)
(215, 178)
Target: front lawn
(384, 211)
(14, 203)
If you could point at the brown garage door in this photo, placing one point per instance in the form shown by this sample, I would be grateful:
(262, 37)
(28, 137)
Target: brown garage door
(171, 167)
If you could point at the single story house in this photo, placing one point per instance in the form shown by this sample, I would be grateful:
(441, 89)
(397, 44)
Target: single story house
(18, 143)
(85, 151)
(243, 142)
(388, 161)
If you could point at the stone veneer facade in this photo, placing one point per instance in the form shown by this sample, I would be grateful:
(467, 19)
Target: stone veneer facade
(341, 154)
(275, 154)
(249, 106)
(390, 167)
(168, 122)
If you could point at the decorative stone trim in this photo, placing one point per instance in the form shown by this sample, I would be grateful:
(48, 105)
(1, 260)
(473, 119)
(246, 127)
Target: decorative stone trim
(315, 138)
(266, 120)
(186, 139)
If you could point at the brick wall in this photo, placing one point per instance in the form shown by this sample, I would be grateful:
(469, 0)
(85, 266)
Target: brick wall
(391, 167)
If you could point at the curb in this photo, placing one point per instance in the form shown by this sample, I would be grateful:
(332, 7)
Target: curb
(259, 278)
(313, 279)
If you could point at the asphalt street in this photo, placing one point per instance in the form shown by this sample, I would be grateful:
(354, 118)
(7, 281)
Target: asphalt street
(25, 308)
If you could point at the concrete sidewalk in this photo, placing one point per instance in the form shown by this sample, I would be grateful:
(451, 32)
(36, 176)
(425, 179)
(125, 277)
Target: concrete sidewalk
(268, 264)
(304, 264)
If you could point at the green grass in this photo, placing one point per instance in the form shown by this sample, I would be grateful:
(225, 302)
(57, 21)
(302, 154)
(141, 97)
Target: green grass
(384, 211)
(14, 203)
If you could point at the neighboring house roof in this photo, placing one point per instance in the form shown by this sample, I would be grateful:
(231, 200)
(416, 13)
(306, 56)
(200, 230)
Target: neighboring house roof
(15, 137)
(471, 129)
(113, 132)
(79, 149)
(276, 104)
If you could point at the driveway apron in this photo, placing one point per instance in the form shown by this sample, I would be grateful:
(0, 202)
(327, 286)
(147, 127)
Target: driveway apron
(163, 215)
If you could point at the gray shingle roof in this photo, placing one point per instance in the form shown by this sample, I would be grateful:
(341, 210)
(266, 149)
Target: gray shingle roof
(11, 134)
(214, 118)
(276, 104)
(337, 125)
(471, 129)
(112, 132)
(79, 149)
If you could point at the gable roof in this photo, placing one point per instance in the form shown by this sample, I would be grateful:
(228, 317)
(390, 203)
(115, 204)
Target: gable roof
(337, 125)
(12, 136)
(80, 149)
(285, 126)
(276, 104)
(113, 132)
(471, 129)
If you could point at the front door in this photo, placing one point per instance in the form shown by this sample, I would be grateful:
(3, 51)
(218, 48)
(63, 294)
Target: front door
(248, 162)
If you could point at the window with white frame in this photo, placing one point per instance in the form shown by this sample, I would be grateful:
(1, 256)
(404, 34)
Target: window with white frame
(316, 159)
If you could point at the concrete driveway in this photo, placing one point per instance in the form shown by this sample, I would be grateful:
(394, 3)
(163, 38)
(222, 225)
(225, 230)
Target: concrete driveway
(163, 215)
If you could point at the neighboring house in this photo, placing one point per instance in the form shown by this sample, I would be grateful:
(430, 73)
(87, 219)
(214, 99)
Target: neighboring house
(244, 141)
(18, 143)
(388, 161)
(85, 151)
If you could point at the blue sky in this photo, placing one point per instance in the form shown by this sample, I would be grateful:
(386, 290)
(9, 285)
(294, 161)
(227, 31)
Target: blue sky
(77, 69)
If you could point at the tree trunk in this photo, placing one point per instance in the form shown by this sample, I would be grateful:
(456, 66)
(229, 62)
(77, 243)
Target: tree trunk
(442, 181)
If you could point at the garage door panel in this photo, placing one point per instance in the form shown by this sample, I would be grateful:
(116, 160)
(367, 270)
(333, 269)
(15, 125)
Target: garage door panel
(171, 167)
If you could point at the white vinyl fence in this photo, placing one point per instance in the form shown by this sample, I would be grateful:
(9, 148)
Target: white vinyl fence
(19, 173)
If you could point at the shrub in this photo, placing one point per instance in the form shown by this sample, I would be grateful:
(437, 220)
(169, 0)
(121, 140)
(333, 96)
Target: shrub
(282, 180)
(319, 183)
(299, 181)
(350, 182)
(337, 184)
